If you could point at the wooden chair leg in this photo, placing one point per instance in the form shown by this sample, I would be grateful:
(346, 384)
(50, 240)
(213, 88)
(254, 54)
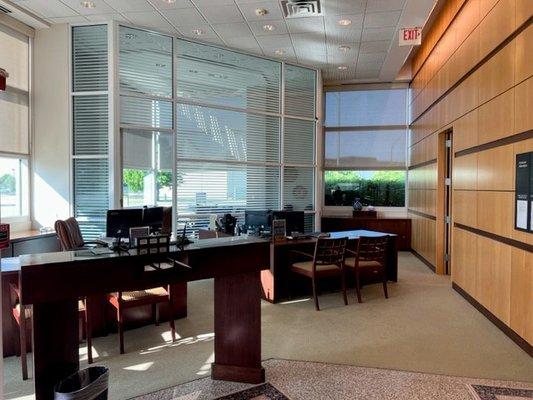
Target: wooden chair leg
(88, 334)
(22, 335)
(385, 286)
(315, 296)
(343, 281)
(120, 322)
(358, 287)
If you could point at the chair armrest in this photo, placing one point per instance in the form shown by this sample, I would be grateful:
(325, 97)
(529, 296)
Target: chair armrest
(302, 253)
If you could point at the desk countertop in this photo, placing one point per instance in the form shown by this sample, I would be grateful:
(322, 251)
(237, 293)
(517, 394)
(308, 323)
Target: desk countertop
(23, 235)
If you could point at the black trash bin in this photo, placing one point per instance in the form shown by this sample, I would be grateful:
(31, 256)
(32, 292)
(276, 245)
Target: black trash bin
(88, 384)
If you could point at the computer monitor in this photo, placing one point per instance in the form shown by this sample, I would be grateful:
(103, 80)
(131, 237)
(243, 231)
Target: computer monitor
(153, 217)
(257, 219)
(119, 222)
(294, 220)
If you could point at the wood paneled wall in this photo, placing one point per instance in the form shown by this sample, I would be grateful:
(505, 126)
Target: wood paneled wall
(475, 76)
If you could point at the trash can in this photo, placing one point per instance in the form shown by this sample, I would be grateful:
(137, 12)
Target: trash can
(88, 384)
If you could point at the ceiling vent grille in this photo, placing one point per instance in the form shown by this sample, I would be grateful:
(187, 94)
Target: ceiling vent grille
(301, 8)
(5, 10)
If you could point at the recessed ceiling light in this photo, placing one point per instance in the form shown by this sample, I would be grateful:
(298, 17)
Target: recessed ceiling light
(261, 12)
(345, 22)
(280, 52)
(344, 49)
(269, 27)
(198, 31)
(88, 4)
(169, 1)
(342, 67)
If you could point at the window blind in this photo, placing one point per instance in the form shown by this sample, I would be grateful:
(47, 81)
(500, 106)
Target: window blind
(298, 188)
(89, 58)
(300, 91)
(14, 102)
(144, 112)
(90, 124)
(216, 76)
(299, 141)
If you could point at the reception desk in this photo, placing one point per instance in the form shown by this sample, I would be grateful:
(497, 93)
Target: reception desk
(53, 282)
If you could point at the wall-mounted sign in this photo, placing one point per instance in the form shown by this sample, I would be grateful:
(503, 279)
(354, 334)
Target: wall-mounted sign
(410, 36)
(4, 236)
(524, 192)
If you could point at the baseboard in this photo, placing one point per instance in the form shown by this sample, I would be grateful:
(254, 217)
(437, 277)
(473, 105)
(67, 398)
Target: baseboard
(515, 337)
(426, 262)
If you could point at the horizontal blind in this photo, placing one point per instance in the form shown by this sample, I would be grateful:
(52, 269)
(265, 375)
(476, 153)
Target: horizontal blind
(299, 141)
(89, 58)
(90, 124)
(14, 101)
(144, 112)
(143, 149)
(91, 193)
(379, 149)
(214, 134)
(300, 91)
(145, 62)
(298, 188)
(222, 77)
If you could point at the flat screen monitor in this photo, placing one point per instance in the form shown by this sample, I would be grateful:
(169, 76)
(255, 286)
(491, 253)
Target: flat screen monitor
(257, 219)
(294, 220)
(153, 217)
(119, 222)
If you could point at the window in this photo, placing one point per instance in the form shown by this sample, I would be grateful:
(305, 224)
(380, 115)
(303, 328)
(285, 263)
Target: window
(13, 187)
(15, 125)
(366, 146)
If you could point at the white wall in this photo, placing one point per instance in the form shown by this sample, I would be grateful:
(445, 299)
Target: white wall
(51, 128)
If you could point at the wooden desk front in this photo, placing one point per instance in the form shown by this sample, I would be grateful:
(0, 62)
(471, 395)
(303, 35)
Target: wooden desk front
(275, 280)
(53, 282)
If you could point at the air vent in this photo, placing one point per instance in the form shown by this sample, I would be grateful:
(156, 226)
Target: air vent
(301, 8)
(5, 10)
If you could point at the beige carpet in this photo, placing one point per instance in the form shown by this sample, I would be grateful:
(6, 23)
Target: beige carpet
(301, 380)
(424, 326)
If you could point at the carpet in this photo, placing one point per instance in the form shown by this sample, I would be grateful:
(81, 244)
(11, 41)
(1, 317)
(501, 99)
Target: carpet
(302, 380)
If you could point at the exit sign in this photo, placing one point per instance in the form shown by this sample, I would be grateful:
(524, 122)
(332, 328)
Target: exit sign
(410, 36)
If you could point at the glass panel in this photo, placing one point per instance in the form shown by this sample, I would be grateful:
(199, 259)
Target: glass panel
(145, 62)
(89, 58)
(90, 125)
(373, 149)
(145, 112)
(91, 195)
(13, 187)
(147, 168)
(213, 134)
(375, 188)
(300, 85)
(217, 188)
(367, 108)
(222, 77)
(331, 149)
(298, 187)
(299, 141)
(14, 122)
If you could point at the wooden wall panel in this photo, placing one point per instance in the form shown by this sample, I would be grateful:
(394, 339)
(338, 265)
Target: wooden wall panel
(475, 75)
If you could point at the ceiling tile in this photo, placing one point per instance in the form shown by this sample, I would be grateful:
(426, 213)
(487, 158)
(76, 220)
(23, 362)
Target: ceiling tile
(382, 20)
(288, 53)
(302, 25)
(369, 74)
(384, 5)
(214, 40)
(212, 3)
(375, 34)
(375, 47)
(150, 19)
(207, 31)
(344, 34)
(75, 19)
(48, 8)
(184, 16)
(106, 17)
(337, 56)
(369, 66)
(100, 7)
(164, 5)
(274, 42)
(245, 42)
(237, 29)
(129, 5)
(339, 7)
(221, 14)
(371, 58)
(258, 30)
(248, 10)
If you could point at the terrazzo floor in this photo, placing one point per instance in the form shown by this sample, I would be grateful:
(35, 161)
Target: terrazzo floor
(298, 380)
